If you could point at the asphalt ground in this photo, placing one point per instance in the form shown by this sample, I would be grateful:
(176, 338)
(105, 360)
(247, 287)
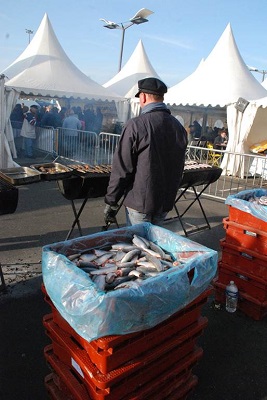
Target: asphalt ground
(234, 361)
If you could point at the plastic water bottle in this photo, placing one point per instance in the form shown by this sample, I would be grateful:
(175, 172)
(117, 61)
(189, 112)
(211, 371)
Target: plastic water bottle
(231, 293)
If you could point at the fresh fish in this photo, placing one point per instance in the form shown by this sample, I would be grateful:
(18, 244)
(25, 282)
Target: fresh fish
(153, 246)
(118, 281)
(156, 262)
(73, 257)
(88, 257)
(145, 264)
(139, 242)
(102, 259)
(167, 264)
(83, 264)
(146, 270)
(124, 271)
(152, 253)
(100, 252)
(110, 277)
(129, 264)
(104, 270)
(130, 255)
(146, 241)
(119, 255)
(123, 246)
(88, 269)
(138, 274)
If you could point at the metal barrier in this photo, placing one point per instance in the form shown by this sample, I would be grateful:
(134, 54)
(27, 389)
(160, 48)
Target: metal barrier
(86, 146)
(254, 171)
(46, 139)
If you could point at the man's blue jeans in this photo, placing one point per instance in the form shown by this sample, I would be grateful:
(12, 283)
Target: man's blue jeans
(134, 217)
(28, 144)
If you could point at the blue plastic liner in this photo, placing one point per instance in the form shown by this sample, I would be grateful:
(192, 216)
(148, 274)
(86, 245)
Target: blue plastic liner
(93, 313)
(245, 201)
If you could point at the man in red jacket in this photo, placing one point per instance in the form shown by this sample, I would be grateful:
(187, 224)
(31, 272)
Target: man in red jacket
(149, 160)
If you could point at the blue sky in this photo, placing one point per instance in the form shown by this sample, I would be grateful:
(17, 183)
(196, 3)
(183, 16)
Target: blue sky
(178, 35)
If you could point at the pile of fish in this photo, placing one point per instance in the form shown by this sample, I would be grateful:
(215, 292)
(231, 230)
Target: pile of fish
(259, 200)
(123, 265)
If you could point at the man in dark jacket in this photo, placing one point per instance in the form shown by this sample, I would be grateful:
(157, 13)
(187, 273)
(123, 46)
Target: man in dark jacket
(149, 160)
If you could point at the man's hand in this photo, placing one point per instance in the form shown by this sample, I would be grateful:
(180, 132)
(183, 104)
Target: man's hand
(110, 213)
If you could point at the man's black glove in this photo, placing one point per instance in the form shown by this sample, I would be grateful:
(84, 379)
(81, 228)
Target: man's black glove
(110, 213)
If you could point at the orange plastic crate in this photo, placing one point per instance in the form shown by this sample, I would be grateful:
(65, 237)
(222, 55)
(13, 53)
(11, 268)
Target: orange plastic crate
(245, 218)
(245, 260)
(124, 379)
(249, 284)
(245, 236)
(110, 352)
(177, 378)
(248, 305)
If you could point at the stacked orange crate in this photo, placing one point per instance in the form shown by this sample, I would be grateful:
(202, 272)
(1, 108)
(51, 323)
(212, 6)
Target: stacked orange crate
(244, 260)
(141, 365)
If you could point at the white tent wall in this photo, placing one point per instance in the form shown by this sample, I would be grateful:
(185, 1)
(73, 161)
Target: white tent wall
(8, 99)
(245, 129)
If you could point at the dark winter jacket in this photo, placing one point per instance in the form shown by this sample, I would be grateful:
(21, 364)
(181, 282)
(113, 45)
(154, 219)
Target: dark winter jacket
(148, 162)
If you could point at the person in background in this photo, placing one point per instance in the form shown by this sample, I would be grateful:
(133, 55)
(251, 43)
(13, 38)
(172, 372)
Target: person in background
(195, 131)
(89, 117)
(71, 125)
(16, 119)
(220, 142)
(149, 160)
(28, 130)
(51, 118)
(98, 120)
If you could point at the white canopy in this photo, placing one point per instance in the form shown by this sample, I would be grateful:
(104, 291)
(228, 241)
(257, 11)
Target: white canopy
(219, 80)
(246, 129)
(125, 82)
(8, 98)
(137, 67)
(44, 69)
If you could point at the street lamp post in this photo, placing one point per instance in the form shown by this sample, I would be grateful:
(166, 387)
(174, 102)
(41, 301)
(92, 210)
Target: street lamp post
(261, 71)
(139, 18)
(29, 32)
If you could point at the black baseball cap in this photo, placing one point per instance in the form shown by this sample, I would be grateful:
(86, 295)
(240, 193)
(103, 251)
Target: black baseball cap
(151, 86)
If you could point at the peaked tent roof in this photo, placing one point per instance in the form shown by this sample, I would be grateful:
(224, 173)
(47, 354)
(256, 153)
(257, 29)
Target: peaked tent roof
(220, 80)
(137, 67)
(44, 69)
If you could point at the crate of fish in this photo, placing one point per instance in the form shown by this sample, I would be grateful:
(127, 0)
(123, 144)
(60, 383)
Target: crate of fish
(125, 379)
(125, 280)
(249, 208)
(176, 377)
(110, 352)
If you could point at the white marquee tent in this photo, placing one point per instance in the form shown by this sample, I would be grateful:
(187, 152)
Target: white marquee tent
(219, 80)
(44, 69)
(125, 82)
